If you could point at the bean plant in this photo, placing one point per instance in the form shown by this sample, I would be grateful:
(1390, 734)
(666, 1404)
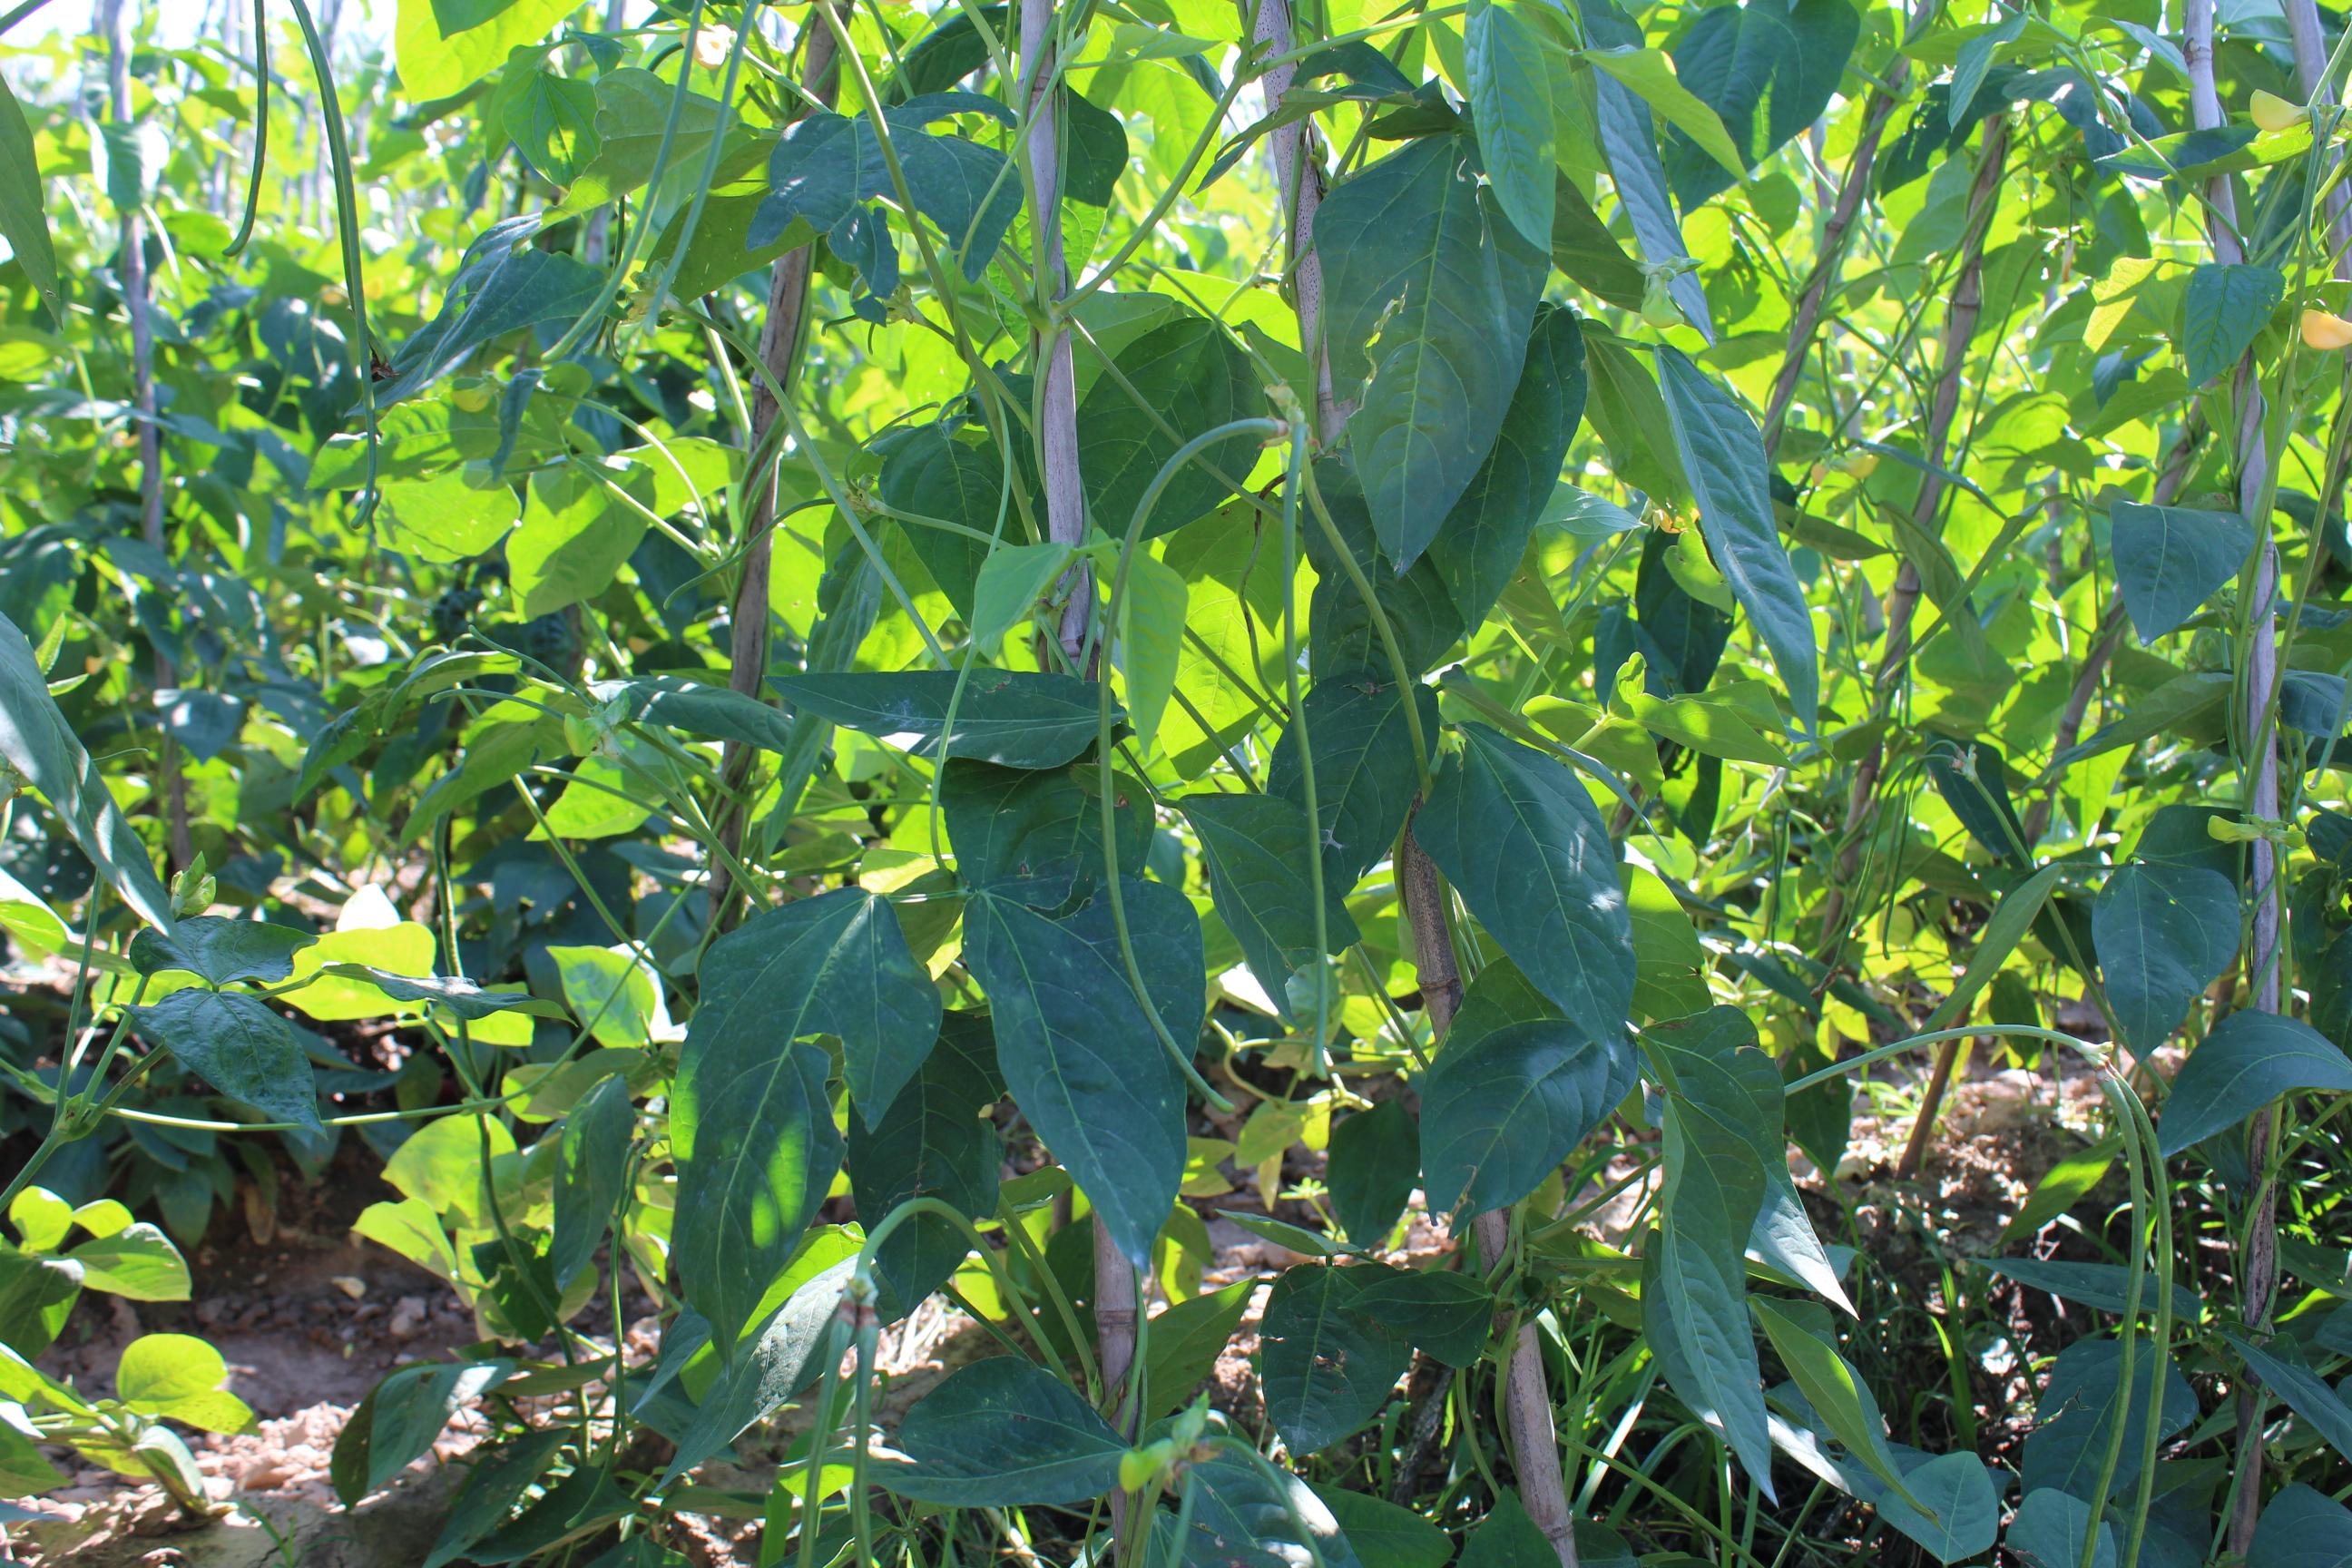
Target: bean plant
(815, 665)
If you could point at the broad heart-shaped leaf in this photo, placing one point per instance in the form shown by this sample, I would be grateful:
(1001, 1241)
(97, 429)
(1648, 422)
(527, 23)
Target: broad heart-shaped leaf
(2163, 934)
(1415, 251)
(1476, 551)
(1500, 1113)
(1342, 635)
(1721, 1106)
(1384, 1535)
(2049, 1529)
(1767, 68)
(1246, 1516)
(1510, 100)
(2249, 1060)
(36, 741)
(504, 283)
(751, 1121)
(1041, 829)
(1258, 849)
(927, 472)
(1519, 839)
(1003, 1434)
(1079, 1053)
(1960, 1506)
(2170, 559)
(1017, 719)
(2300, 1528)
(1374, 1166)
(401, 1416)
(443, 49)
(826, 166)
(1723, 457)
(1507, 1538)
(221, 950)
(1362, 748)
(2080, 1403)
(2224, 308)
(24, 219)
(239, 1046)
(1327, 1366)
(935, 1141)
(1191, 377)
(593, 1164)
(2305, 1392)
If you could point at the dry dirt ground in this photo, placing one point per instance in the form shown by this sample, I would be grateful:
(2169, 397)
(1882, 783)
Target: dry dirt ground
(310, 1319)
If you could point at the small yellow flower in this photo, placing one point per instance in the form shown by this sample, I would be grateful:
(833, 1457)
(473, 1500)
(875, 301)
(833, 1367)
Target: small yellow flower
(2323, 331)
(712, 45)
(2273, 112)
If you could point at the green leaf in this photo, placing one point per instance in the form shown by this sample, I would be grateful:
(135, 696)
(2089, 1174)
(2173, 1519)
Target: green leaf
(551, 121)
(1723, 454)
(1181, 379)
(928, 473)
(1343, 639)
(1507, 1538)
(1415, 250)
(593, 1162)
(1256, 847)
(2012, 917)
(1518, 835)
(1015, 718)
(1327, 1366)
(447, 517)
(240, 1047)
(699, 707)
(782, 1356)
(2063, 1186)
(36, 741)
(24, 218)
(934, 1141)
(444, 46)
(1721, 1106)
(2223, 310)
(138, 1263)
(752, 1120)
(504, 283)
(575, 537)
(1010, 581)
(2305, 1390)
(1150, 641)
(1236, 1500)
(1834, 1389)
(2163, 935)
(1384, 1534)
(1362, 747)
(1629, 141)
(1374, 1166)
(400, 1418)
(1186, 1340)
(2300, 1528)
(1961, 1507)
(1651, 76)
(2170, 559)
(1510, 104)
(178, 1376)
(36, 1295)
(1003, 1434)
(1079, 1052)
(1040, 829)
(825, 165)
(2050, 1530)
(1449, 1315)
(2249, 1060)
(1768, 68)
(1499, 1114)
(2106, 1285)
(1479, 547)
(220, 950)
(2080, 1406)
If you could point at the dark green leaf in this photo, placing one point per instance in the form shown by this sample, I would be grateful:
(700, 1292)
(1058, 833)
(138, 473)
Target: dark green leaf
(1329, 1367)
(1186, 1340)
(1374, 1165)
(504, 284)
(1015, 718)
(1767, 68)
(1003, 1434)
(2100, 1285)
(2049, 1532)
(1040, 828)
(1414, 247)
(2305, 1390)
(1510, 102)
(400, 1418)
(1361, 744)
(2249, 1060)
(221, 950)
(1384, 1535)
(24, 220)
(2163, 935)
(929, 473)
(240, 1047)
(935, 1141)
(1723, 456)
(1079, 1052)
(1500, 1113)
(2080, 1406)
(1180, 380)
(2300, 1529)
(2170, 559)
(699, 708)
(1257, 848)
(752, 1120)
(2223, 310)
(592, 1160)
(1518, 835)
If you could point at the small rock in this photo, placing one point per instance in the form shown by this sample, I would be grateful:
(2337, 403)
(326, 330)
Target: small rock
(408, 1316)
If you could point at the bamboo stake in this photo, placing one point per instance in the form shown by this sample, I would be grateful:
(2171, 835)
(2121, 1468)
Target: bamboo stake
(2258, 1248)
(781, 339)
(114, 22)
(1057, 422)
